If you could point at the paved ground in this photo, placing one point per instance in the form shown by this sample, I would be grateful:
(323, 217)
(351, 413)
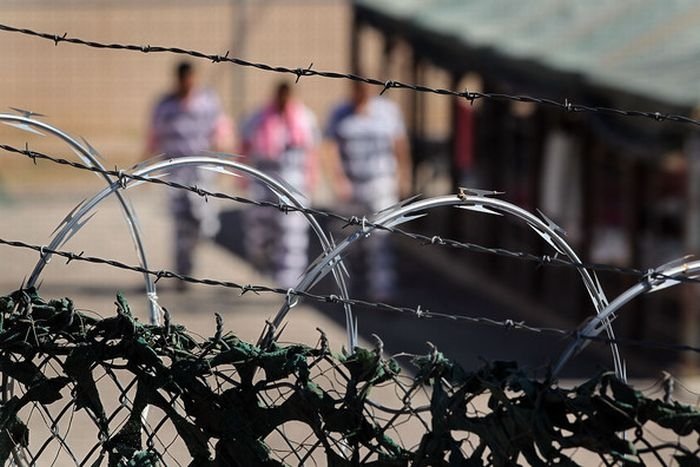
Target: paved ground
(421, 282)
(93, 286)
(424, 280)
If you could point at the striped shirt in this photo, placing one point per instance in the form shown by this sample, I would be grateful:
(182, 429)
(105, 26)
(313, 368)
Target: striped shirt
(185, 127)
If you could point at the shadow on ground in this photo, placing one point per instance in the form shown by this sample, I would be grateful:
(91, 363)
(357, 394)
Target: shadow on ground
(437, 290)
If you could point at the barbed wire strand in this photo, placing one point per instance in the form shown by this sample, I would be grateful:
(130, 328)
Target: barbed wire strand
(418, 312)
(353, 220)
(471, 96)
(424, 240)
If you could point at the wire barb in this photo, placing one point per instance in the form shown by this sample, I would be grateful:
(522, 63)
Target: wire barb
(387, 85)
(292, 298)
(57, 38)
(302, 72)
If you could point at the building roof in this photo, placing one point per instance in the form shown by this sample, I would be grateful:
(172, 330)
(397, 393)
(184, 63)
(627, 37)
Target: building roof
(644, 48)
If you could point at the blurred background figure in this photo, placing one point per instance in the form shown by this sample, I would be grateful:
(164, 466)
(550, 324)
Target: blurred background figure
(280, 139)
(185, 122)
(370, 167)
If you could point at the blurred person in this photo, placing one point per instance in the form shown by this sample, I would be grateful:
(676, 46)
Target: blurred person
(560, 190)
(370, 167)
(185, 122)
(280, 139)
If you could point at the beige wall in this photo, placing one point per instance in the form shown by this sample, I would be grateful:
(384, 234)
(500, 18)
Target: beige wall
(106, 95)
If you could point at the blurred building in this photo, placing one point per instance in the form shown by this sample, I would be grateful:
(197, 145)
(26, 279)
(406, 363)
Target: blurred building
(625, 188)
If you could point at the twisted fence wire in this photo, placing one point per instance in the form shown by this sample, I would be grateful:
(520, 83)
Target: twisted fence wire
(354, 220)
(291, 294)
(197, 392)
(309, 71)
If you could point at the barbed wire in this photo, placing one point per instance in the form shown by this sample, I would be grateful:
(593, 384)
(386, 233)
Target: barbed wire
(471, 96)
(291, 294)
(418, 311)
(354, 220)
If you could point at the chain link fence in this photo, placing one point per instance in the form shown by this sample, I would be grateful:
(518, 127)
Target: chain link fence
(156, 395)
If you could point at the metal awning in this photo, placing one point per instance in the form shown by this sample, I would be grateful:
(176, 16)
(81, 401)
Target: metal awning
(644, 48)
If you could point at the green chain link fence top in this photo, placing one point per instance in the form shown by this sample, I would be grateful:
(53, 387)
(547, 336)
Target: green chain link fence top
(228, 402)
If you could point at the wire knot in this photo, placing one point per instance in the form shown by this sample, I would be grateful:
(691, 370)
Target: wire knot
(651, 277)
(146, 48)
(363, 223)
(292, 298)
(161, 274)
(285, 208)
(352, 220)
(29, 153)
(469, 96)
(43, 254)
(219, 58)
(57, 38)
(568, 106)
(248, 288)
(73, 256)
(302, 72)
(200, 192)
(387, 85)
(121, 178)
(332, 298)
(659, 117)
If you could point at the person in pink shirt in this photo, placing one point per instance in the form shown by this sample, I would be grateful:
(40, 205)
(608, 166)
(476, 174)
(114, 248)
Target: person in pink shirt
(281, 140)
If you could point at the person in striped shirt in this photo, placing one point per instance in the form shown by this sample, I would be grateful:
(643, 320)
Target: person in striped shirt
(371, 168)
(185, 122)
(280, 139)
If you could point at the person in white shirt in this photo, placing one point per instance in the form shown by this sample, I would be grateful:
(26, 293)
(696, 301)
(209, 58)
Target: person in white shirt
(371, 167)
